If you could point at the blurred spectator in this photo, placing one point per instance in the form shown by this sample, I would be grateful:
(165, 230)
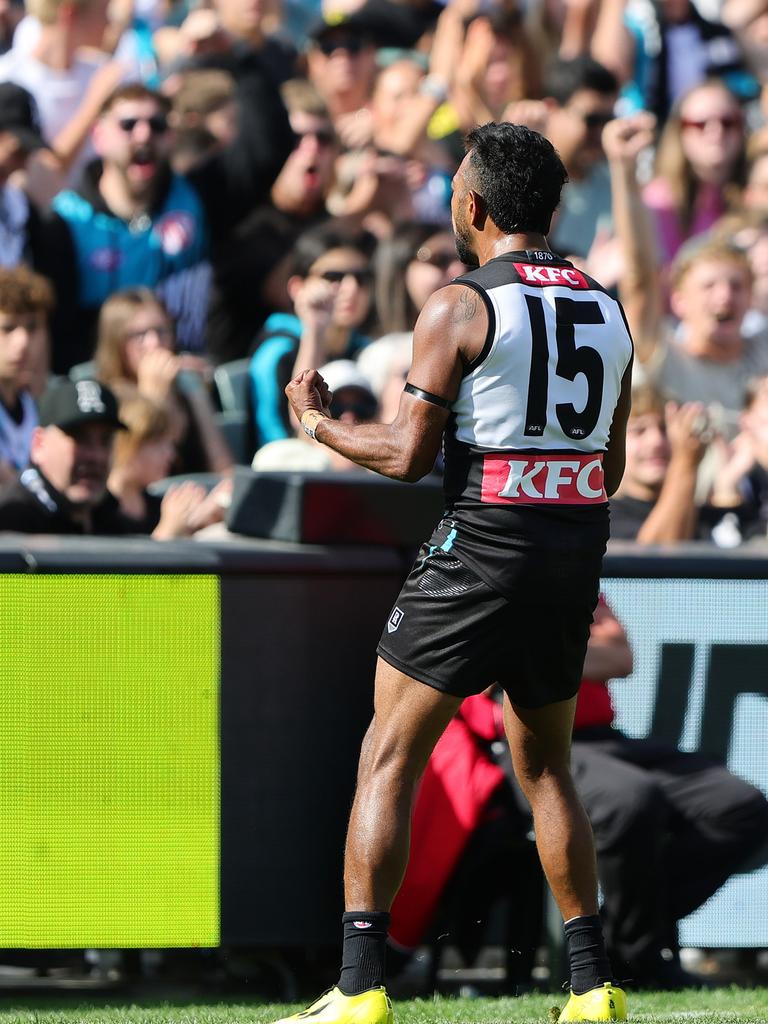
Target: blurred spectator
(496, 67)
(662, 50)
(742, 483)
(134, 222)
(236, 36)
(65, 489)
(204, 117)
(411, 265)
(386, 362)
(656, 503)
(331, 290)
(26, 300)
(144, 453)
(755, 193)
(342, 66)
(252, 265)
(136, 352)
(700, 165)
(352, 401)
(63, 59)
(27, 233)
(580, 97)
(11, 13)
(708, 359)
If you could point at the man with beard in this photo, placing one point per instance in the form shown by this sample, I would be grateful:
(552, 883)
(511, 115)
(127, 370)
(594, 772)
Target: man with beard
(134, 222)
(525, 365)
(65, 488)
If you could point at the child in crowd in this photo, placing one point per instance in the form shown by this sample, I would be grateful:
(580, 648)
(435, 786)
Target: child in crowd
(26, 300)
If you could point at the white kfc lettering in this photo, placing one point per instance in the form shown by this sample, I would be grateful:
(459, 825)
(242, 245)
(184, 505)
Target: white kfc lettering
(556, 476)
(582, 480)
(519, 478)
(533, 274)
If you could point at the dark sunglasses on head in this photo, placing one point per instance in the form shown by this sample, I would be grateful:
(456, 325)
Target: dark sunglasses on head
(441, 260)
(352, 44)
(728, 122)
(157, 125)
(363, 277)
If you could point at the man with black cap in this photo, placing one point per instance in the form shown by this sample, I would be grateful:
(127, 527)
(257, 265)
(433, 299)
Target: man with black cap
(27, 234)
(65, 488)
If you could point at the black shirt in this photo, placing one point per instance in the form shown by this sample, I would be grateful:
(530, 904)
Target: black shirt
(629, 514)
(32, 505)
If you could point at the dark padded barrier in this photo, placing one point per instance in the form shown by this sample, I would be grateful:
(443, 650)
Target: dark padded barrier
(334, 508)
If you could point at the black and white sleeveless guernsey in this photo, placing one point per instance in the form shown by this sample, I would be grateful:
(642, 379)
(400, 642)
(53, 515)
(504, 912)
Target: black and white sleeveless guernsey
(525, 440)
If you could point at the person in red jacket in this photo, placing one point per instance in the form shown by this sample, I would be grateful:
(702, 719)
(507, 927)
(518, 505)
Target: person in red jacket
(654, 810)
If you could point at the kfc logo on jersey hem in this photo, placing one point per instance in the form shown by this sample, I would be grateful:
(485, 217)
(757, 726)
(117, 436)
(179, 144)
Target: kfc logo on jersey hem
(543, 479)
(543, 277)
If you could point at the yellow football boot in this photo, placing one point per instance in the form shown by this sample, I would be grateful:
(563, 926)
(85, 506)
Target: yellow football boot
(371, 1007)
(605, 1003)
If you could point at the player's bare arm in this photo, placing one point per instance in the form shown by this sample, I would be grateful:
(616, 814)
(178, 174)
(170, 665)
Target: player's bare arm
(449, 334)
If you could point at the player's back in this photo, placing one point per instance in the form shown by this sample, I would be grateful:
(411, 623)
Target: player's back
(524, 446)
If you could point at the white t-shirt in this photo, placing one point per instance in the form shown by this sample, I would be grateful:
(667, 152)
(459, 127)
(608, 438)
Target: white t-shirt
(58, 94)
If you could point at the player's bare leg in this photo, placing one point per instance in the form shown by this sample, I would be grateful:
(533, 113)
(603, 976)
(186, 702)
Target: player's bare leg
(540, 743)
(409, 718)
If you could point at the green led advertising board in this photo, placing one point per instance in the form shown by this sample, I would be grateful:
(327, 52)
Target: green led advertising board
(109, 758)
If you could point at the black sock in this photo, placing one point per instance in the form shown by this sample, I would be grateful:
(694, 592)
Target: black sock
(586, 954)
(364, 952)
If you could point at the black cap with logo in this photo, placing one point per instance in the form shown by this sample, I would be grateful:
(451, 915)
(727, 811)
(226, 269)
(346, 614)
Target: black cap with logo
(19, 115)
(68, 403)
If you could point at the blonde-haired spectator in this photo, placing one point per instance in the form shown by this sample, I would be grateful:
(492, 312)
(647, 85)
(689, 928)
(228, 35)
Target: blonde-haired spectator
(135, 352)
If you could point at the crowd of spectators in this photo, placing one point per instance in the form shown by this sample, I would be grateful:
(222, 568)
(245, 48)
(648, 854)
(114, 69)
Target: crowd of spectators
(195, 186)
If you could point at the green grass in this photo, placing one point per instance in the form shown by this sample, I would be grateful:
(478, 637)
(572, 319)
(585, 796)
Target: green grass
(722, 1006)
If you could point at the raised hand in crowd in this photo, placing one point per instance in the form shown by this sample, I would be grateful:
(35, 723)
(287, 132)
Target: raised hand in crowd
(534, 114)
(156, 374)
(178, 511)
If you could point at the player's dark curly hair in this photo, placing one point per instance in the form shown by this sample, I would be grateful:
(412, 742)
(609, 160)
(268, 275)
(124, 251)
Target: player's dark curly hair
(519, 175)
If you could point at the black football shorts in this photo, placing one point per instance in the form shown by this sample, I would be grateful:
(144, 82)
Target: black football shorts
(451, 630)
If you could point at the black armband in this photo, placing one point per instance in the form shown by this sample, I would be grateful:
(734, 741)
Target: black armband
(427, 396)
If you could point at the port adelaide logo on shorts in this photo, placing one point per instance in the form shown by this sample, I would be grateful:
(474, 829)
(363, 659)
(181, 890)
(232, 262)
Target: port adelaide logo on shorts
(394, 620)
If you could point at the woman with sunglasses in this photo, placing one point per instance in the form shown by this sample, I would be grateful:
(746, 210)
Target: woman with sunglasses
(411, 265)
(331, 291)
(700, 165)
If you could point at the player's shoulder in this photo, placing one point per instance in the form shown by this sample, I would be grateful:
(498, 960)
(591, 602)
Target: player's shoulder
(535, 268)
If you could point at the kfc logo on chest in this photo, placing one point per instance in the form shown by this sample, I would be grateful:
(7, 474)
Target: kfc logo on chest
(530, 273)
(543, 479)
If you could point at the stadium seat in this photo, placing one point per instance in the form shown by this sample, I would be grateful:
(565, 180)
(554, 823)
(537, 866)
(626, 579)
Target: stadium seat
(82, 371)
(234, 425)
(231, 380)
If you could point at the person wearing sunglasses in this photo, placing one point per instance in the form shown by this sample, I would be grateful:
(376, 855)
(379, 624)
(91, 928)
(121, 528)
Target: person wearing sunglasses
(341, 61)
(331, 289)
(136, 223)
(701, 165)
